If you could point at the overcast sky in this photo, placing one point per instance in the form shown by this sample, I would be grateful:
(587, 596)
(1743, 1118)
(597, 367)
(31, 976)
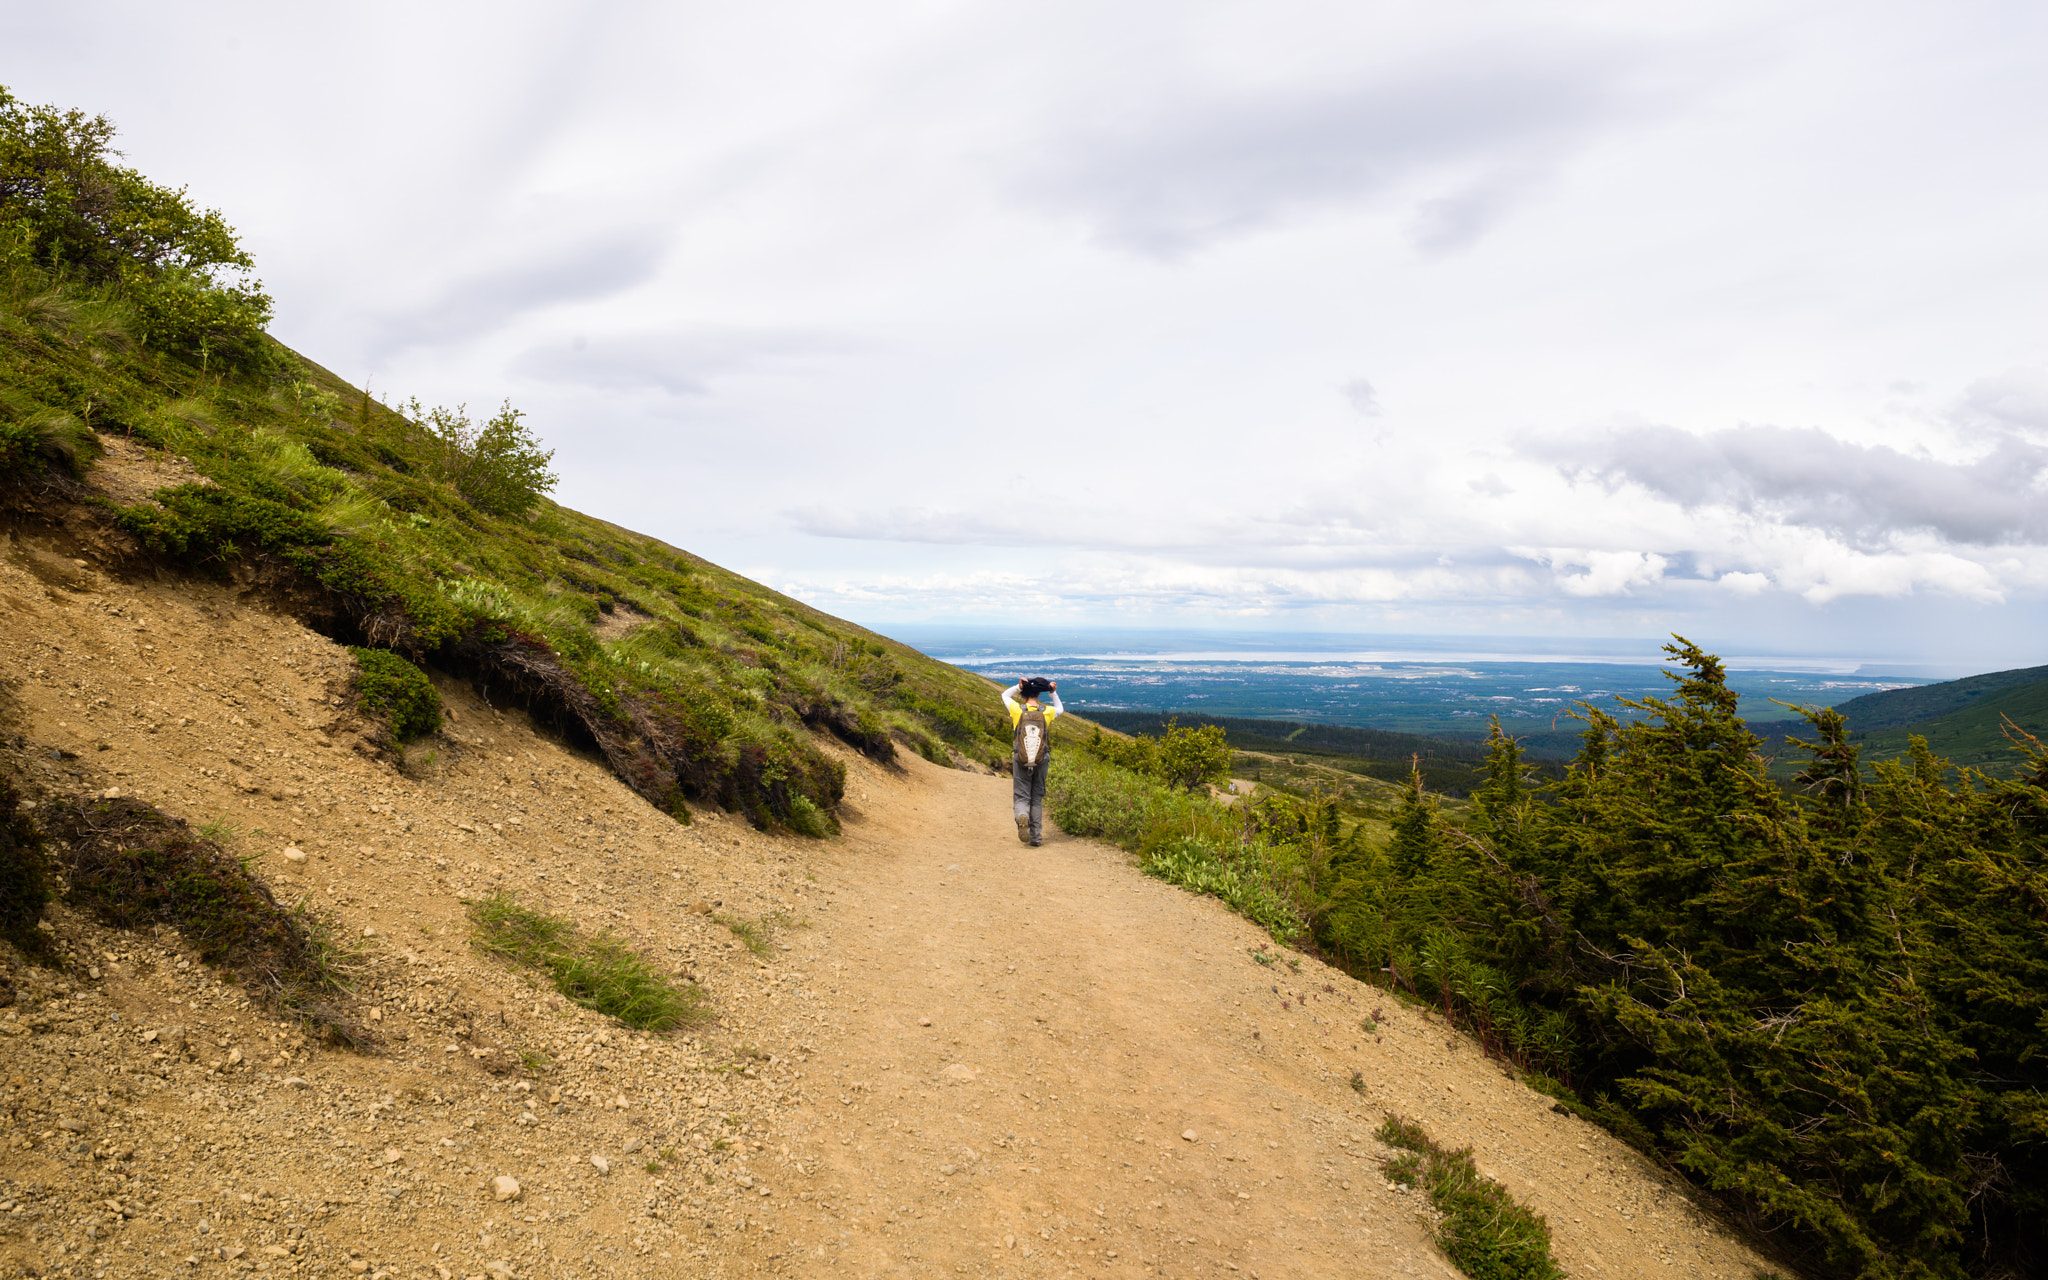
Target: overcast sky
(1585, 319)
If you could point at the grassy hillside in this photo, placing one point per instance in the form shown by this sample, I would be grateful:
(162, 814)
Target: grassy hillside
(1897, 708)
(127, 321)
(1974, 735)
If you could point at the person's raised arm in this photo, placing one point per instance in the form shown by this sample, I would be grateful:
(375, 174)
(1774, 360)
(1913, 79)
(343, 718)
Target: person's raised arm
(1054, 694)
(1010, 697)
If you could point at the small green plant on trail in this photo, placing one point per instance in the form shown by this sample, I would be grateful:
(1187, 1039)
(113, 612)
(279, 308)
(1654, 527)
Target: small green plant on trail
(1483, 1230)
(755, 935)
(220, 831)
(600, 973)
(397, 692)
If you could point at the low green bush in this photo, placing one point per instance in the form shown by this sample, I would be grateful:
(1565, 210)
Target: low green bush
(1233, 875)
(397, 692)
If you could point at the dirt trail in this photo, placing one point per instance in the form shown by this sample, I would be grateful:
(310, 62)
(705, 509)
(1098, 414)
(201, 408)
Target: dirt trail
(1111, 1084)
(1082, 1020)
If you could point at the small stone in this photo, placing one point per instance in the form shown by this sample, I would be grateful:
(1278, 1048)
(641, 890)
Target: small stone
(744, 1180)
(601, 1164)
(946, 1169)
(924, 1022)
(369, 931)
(357, 1266)
(276, 1251)
(958, 1071)
(700, 907)
(293, 854)
(234, 1057)
(392, 1155)
(232, 1252)
(505, 1187)
(554, 1097)
(499, 1270)
(296, 1082)
(632, 1145)
(1189, 1134)
(74, 1126)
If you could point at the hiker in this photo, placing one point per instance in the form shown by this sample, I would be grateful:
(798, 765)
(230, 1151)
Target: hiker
(1031, 751)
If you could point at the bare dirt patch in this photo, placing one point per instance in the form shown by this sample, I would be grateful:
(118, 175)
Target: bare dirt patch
(129, 473)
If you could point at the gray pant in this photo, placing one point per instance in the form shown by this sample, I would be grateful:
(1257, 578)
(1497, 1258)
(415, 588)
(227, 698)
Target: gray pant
(1027, 788)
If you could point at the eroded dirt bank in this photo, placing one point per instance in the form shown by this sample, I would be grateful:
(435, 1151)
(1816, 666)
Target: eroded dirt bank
(962, 1057)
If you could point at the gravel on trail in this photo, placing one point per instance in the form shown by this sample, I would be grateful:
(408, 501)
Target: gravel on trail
(959, 1055)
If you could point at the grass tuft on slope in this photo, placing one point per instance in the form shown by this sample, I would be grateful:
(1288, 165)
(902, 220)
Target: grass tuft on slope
(1483, 1230)
(600, 973)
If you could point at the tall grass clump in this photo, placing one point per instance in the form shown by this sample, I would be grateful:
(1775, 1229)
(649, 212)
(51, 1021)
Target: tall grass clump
(600, 973)
(1482, 1229)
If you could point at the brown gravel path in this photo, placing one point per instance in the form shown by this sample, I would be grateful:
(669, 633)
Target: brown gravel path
(1110, 1084)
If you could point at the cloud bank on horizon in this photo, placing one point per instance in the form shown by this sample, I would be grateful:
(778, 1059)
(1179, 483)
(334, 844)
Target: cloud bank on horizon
(1569, 317)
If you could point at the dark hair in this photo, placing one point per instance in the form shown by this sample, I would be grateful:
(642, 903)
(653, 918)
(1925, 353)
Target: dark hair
(1034, 686)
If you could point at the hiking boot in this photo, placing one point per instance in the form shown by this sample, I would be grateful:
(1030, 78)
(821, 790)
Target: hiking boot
(1024, 827)
(1035, 842)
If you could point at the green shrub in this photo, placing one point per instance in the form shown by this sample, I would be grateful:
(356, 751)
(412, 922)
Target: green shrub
(1191, 758)
(1233, 875)
(67, 208)
(1482, 1229)
(497, 465)
(397, 692)
(600, 973)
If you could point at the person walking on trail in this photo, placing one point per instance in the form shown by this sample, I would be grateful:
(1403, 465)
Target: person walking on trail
(1031, 751)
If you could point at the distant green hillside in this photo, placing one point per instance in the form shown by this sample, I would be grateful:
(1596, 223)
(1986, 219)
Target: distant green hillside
(125, 312)
(1896, 708)
(1448, 767)
(1974, 736)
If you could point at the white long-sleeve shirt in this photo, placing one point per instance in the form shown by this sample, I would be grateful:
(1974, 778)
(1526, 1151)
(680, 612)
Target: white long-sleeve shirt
(1051, 699)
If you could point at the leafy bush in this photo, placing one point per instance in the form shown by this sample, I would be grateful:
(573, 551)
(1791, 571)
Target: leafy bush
(396, 691)
(498, 466)
(66, 207)
(1482, 1229)
(1190, 758)
(1203, 867)
(1182, 757)
(600, 973)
